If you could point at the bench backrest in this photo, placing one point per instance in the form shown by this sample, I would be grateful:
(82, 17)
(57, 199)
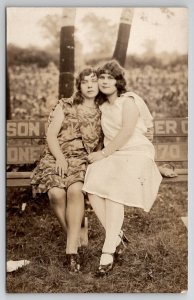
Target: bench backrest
(25, 140)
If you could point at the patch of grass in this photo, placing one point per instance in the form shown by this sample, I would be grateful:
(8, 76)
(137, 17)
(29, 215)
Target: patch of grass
(155, 261)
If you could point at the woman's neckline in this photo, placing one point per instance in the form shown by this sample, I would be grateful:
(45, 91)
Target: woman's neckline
(113, 97)
(88, 106)
(113, 102)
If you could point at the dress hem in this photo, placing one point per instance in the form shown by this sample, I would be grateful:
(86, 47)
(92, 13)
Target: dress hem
(45, 190)
(124, 203)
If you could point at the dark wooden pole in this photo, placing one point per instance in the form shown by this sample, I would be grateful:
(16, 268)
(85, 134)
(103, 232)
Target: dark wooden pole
(67, 53)
(120, 51)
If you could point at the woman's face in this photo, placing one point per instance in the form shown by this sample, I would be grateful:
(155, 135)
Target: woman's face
(107, 84)
(89, 86)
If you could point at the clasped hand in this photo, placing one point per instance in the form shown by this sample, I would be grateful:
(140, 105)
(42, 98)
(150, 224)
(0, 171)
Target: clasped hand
(61, 166)
(94, 156)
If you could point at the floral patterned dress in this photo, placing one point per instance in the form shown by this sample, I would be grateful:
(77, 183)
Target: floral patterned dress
(79, 135)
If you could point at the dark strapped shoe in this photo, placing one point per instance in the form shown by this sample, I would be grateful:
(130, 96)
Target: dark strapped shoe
(120, 249)
(73, 261)
(105, 269)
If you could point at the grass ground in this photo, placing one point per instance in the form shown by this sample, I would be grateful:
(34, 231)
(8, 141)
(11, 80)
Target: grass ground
(155, 261)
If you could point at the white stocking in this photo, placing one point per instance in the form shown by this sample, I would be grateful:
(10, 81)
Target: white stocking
(99, 206)
(114, 222)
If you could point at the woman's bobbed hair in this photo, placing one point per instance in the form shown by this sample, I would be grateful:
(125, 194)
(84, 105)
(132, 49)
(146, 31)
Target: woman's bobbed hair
(113, 68)
(78, 98)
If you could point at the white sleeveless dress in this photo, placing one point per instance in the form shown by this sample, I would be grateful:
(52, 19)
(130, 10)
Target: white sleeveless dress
(130, 175)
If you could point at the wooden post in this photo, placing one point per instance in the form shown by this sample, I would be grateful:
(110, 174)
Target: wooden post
(66, 77)
(123, 35)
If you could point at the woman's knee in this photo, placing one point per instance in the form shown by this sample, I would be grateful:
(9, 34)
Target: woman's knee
(56, 195)
(74, 191)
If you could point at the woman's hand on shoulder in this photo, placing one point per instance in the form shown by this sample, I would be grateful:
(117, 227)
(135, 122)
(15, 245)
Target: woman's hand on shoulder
(61, 166)
(95, 156)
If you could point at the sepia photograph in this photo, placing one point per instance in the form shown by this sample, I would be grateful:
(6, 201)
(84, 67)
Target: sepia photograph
(97, 149)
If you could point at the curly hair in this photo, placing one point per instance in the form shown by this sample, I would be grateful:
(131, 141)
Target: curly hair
(113, 68)
(78, 97)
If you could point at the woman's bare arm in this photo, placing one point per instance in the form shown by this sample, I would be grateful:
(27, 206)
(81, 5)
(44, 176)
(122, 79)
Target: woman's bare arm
(53, 143)
(129, 116)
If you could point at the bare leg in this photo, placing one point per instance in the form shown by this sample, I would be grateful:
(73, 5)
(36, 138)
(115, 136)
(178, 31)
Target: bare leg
(57, 199)
(74, 216)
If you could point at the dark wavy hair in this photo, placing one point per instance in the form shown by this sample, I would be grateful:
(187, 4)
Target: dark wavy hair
(78, 97)
(113, 68)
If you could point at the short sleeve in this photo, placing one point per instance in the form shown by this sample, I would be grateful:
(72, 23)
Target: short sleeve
(142, 107)
(57, 109)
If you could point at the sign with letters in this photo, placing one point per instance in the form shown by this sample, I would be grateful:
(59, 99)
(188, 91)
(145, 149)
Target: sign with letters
(37, 129)
(26, 129)
(171, 127)
(30, 154)
(171, 152)
(24, 154)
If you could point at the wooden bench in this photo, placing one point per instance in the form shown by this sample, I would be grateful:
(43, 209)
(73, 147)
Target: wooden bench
(26, 139)
(25, 142)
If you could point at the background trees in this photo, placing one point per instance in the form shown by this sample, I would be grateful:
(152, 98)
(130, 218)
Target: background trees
(161, 79)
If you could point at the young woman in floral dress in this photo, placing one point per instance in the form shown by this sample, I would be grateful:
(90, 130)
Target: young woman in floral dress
(73, 133)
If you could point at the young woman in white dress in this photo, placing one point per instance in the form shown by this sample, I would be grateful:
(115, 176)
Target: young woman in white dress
(124, 172)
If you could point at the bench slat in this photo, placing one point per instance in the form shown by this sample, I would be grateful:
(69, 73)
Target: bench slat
(23, 154)
(179, 178)
(171, 127)
(23, 178)
(26, 181)
(171, 151)
(26, 129)
(18, 175)
(36, 129)
(18, 182)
